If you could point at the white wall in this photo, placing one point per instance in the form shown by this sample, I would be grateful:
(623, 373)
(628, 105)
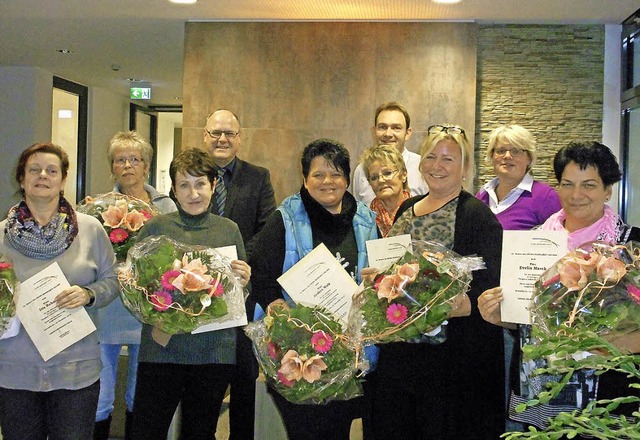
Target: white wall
(108, 114)
(25, 118)
(167, 122)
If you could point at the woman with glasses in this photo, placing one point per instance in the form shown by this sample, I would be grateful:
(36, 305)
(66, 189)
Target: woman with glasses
(519, 202)
(586, 173)
(130, 157)
(321, 212)
(386, 172)
(449, 384)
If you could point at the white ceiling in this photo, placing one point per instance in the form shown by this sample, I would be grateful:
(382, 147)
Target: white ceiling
(145, 37)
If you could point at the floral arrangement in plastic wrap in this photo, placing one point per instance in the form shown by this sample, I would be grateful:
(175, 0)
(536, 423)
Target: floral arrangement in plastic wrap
(121, 216)
(588, 303)
(413, 297)
(8, 285)
(305, 355)
(178, 288)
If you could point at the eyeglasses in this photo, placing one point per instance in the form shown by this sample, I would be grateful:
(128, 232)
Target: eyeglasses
(515, 151)
(122, 161)
(384, 175)
(217, 134)
(449, 129)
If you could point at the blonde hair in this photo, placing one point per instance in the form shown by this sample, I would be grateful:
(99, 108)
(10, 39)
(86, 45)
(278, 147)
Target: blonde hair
(132, 140)
(515, 135)
(387, 155)
(468, 163)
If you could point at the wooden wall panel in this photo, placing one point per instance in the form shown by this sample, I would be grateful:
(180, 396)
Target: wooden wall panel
(291, 83)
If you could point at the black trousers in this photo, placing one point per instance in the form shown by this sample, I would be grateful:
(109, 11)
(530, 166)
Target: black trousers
(159, 389)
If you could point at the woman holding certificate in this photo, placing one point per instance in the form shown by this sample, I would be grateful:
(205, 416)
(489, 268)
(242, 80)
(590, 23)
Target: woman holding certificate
(194, 369)
(322, 212)
(56, 398)
(586, 173)
(452, 385)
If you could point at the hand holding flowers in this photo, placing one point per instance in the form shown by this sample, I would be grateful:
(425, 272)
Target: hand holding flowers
(414, 296)
(121, 216)
(177, 288)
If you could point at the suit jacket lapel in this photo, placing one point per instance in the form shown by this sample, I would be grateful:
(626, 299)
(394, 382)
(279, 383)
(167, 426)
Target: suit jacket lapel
(233, 190)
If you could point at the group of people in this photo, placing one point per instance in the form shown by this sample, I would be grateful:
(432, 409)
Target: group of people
(451, 385)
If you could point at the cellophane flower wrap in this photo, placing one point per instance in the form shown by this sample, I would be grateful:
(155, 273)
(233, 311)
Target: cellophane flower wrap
(177, 287)
(305, 355)
(8, 285)
(595, 287)
(413, 297)
(121, 216)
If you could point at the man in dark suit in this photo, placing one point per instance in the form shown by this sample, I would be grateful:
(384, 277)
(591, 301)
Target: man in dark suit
(245, 195)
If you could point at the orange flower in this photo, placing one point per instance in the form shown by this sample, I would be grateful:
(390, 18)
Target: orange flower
(574, 271)
(193, 276)
(135, 220)
(391, 286)
(611, 270)
(296, 367)
(114, 216)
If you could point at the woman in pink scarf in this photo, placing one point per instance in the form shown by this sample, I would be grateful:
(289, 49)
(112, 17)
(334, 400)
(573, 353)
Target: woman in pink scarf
(586, 173)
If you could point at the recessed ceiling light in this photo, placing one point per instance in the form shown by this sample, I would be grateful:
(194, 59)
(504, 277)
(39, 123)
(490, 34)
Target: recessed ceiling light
(184, 2)
(63, 51)
(447, 1)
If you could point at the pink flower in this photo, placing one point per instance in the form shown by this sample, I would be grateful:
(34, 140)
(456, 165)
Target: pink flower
(633, 292)
(611, 270)
(217, 290)
(396, 314)
(312, 368)
(161, 300)
(135, 220)
(114, 216)
(146, 214)
(193, 276)
(284, 381)
(321, 342)
(167, 279)
(118, 235)
(5, 265)
(274, 350)
(391, 286)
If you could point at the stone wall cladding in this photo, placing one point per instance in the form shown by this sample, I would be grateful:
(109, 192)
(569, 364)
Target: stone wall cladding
(547, 78)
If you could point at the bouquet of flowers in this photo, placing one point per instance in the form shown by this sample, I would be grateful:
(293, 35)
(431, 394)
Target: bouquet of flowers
(121, 216)
(8, 284)
(177, 287)
(305, 356)
(413, 297)
(593, 288)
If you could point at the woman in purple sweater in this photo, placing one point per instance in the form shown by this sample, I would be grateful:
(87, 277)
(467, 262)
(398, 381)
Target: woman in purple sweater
(519, 202)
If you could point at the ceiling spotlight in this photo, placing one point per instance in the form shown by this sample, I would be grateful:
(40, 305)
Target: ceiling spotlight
(63, 51)
(447, 1)
(184, 2)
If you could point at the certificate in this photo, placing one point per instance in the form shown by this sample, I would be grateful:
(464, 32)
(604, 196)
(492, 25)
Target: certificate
(383, 252)
(525, 256)
(319, 279)
(51, 328)
(231, 253)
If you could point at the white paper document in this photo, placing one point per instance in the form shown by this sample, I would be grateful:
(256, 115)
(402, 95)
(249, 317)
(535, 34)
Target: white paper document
(525, 256)
(51, 328)
(231, 253)
(319, 279)
(383, 252)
